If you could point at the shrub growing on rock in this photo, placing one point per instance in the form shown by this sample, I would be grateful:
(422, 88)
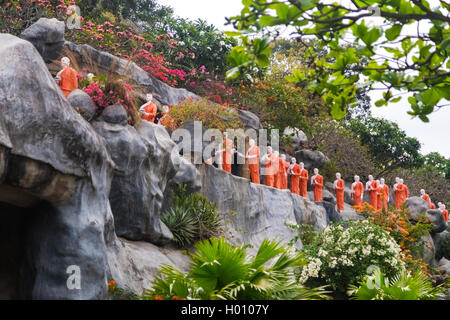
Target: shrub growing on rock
(342, 253)
(212, 115)
(191, 217)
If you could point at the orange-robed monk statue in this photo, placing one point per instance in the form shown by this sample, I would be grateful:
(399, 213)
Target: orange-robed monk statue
(67, 77)
(270, 161)
(253, 161)
(357, 191)
(372, 187)
(383, 195)
(303, 180)
(294, 171)
(317, 182)
(148, 110)
(339, 188)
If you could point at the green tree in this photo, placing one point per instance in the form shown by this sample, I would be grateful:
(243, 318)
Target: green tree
(389, 145)
(403, 56)
(436, 161)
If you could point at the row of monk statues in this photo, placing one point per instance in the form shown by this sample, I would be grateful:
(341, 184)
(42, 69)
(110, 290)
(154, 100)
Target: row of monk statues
(277, 171)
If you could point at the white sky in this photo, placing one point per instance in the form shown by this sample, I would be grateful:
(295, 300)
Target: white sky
(434, 136)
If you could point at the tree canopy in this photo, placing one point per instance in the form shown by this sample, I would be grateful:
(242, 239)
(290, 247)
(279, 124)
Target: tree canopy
(405, 51)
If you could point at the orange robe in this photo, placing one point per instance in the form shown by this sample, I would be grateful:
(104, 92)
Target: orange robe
(405, 193)
(385, 197)
(227, 155)
(295, 179)
(253, 164)
(373, 194)
(427, 199)
(445, 215)
(284, 180)
(304, 183)
(318, 188)
(399, 195)
(150, 108)
(340, 194)
(432, 206)
(69, 81)
(166, 121)
(358, 190)
(280, 176)
(271, 167)
(382, 197)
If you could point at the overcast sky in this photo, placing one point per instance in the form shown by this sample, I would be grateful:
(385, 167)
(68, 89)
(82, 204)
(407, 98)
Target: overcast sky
(434, 136)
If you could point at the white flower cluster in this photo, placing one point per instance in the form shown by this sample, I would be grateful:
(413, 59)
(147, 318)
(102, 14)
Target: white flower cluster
(311, 270)
(361, 244)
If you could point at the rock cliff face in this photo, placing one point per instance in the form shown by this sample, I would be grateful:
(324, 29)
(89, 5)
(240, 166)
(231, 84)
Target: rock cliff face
(58, 183)
(253, 212)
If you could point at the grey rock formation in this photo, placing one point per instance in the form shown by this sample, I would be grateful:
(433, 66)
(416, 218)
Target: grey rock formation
(429, 250)
(134, 264)
(115, 114)
(249, 119)
(444, 265)
(311, 159)
(47, 36)
(253, 212)
(80, 100)
(61, 169)
(56, 174)
(417, 205)
(298, 137)
(146, 161)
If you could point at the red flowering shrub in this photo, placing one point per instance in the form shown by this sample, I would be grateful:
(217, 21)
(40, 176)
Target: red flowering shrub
(106, 91)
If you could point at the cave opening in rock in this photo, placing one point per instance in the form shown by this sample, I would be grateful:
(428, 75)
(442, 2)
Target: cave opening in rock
(14, 227)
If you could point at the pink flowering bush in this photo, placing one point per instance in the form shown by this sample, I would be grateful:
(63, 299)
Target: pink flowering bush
(107, 91)
(17, 15)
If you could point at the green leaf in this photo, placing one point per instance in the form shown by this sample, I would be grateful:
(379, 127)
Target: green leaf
(233, 73)
(431, 97)
(232, 33)
(380, 103)
(373, 35)
(268, 21)
(394, 32)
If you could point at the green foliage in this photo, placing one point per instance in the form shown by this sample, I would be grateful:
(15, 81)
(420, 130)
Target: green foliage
(212, 115)
(444, 248)
(381, 56)
(307, 234)
(221, 271)
(388, 144)
(402, 286)
(436, 162)
(208, 45)
(191, 217)
(426, 178)
(183, 225)
(342, 147)
(341, 254)
(249, 59)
